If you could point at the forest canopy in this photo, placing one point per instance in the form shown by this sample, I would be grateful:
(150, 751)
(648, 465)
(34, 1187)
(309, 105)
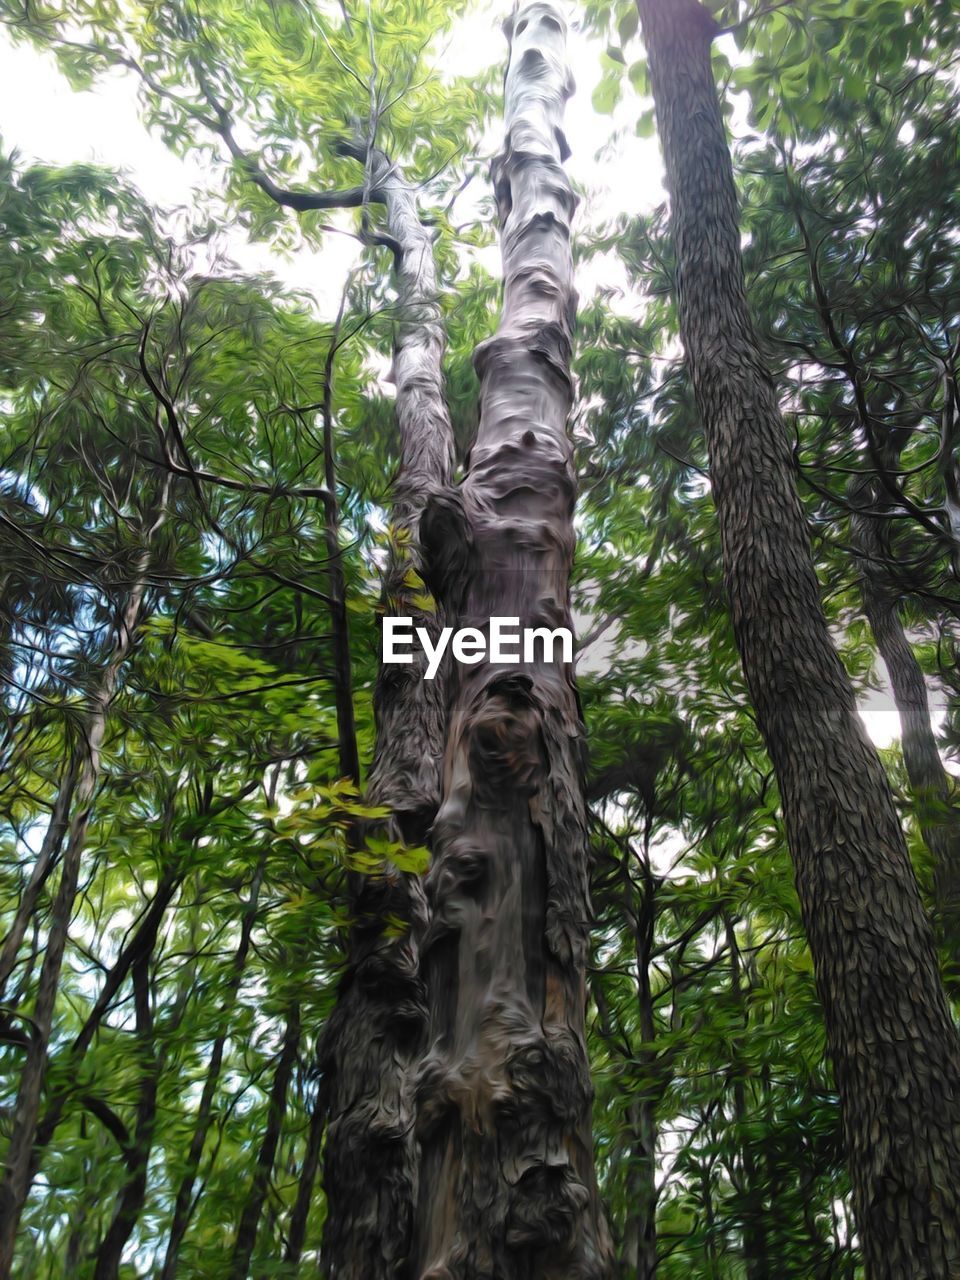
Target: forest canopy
(640, 317)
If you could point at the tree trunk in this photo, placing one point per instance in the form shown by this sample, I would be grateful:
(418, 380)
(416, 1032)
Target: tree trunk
(46, 861)
(507, 1185)
(18, 1172)
(750, 1192)
(252, 1209)
(895, 1051)
(184, 1200)
(134, 1191)
(642, 1112)
(932, 789)
(347, 757)
(375, 1033)
(300, 1213)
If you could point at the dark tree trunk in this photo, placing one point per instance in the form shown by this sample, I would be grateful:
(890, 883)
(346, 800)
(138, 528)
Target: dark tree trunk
(933, 791)
(276, 1109)
(640, 1244)
(184, 1200)
(507, 1185)
(750, 1191)
(44, 865)
(347, 756)
(893, 1044)
(300, 1214)
(130, 1201)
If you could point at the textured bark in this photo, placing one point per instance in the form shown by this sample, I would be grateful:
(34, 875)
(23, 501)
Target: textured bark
(20, 1152)
(892, 1041)
(374, 1034)
(933, 790)
(507, 1186)
(640, 1260)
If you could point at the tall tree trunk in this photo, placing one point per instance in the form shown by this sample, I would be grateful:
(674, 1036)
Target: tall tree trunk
(507, 1185)
(895, 1050)
(374, 1035)
(257, 1194)
(932, 789)
(18, 1171)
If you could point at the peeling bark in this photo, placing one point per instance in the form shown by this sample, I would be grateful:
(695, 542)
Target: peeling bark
(374, 1034)
(894, 1047)
(507, 1186)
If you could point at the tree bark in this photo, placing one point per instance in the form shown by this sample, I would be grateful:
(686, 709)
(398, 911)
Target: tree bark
(348, 759)
(375, 1032)
(507, 1185)
(894, 1048)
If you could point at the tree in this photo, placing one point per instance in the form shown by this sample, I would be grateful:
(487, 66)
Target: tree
(862, 910)
(250, 1068)
(503, 1094)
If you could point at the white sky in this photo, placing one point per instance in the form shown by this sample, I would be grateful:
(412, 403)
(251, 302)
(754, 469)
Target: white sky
(46, 120)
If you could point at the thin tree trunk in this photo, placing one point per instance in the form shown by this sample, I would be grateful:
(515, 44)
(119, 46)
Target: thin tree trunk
(183, 1203)
(939, 820)
(755, 1253)
(130, 1202)
(643, 1111)
(932, 788)
(894, 1048)
(45, 862)
(300, 1214)
(375, 1032)
(507, 1184)
(18, 1172)
(253, 1207)
(348, 759)
(139, 947)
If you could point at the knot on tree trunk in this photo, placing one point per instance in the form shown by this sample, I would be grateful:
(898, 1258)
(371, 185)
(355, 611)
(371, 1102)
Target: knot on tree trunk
(446, 541)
